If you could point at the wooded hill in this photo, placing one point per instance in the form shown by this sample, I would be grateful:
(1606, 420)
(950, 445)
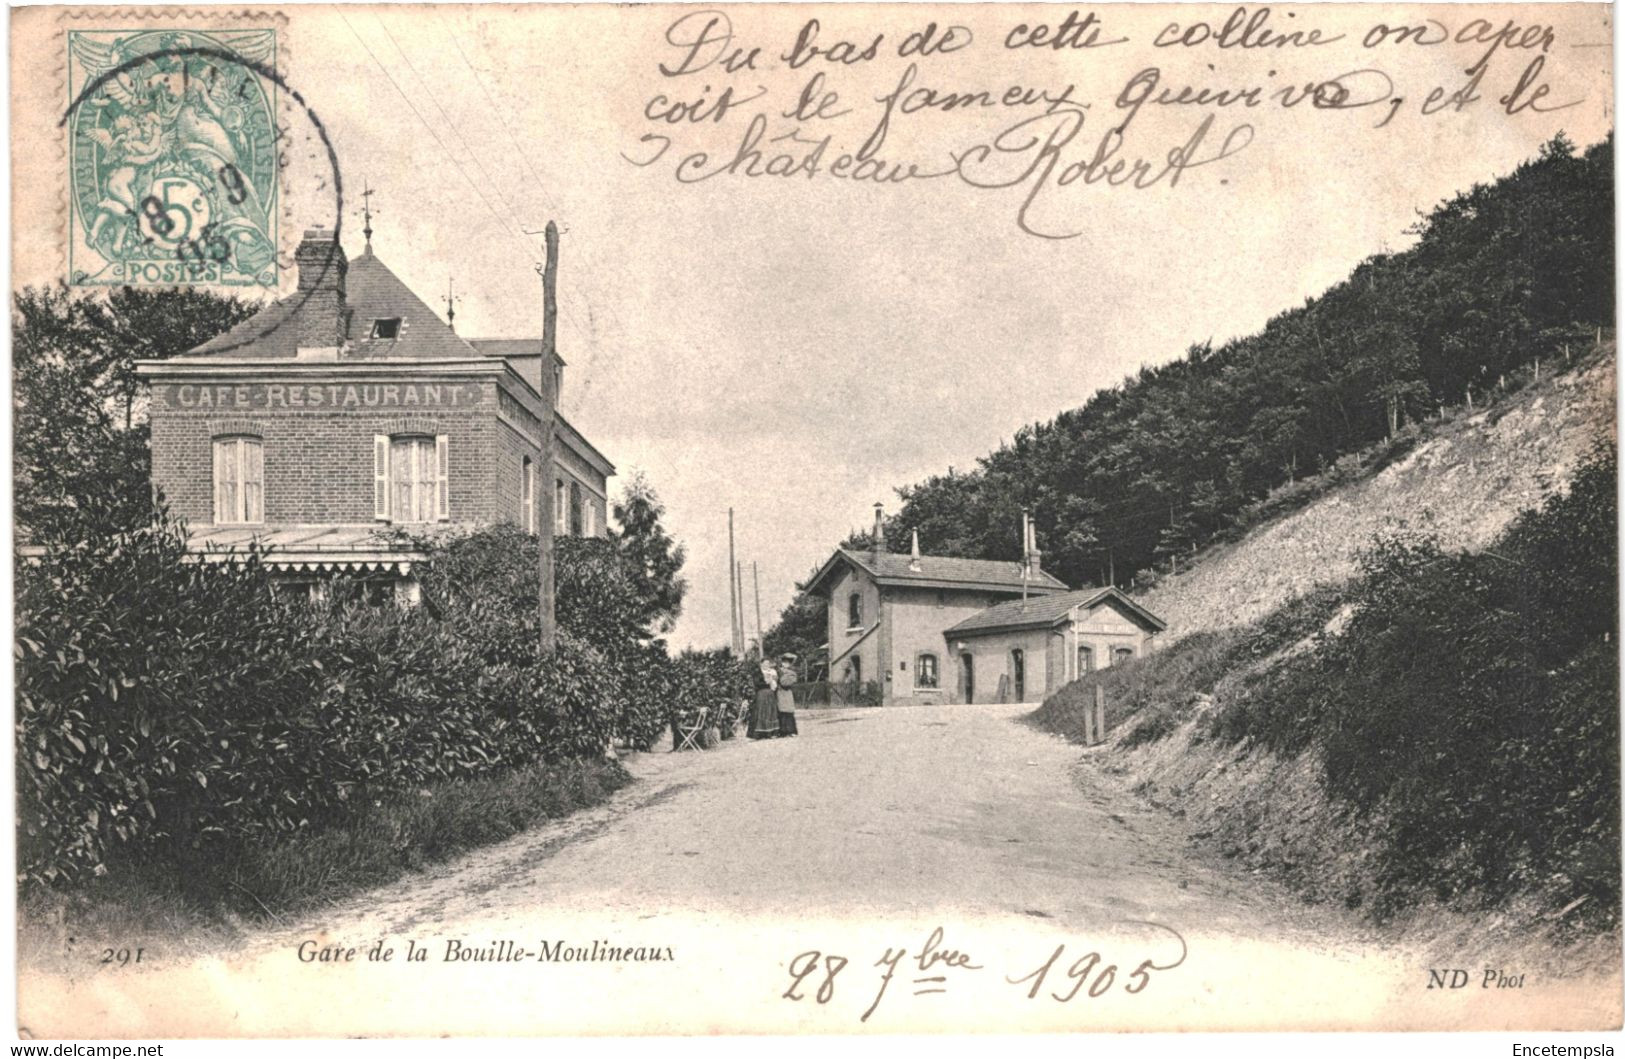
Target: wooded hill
(1174, 457)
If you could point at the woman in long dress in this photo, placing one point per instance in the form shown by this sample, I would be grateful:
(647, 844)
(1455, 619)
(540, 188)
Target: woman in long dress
(786, 697)
(764, 712)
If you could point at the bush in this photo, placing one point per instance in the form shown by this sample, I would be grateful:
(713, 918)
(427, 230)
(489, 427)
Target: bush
(1470, 706)
(1162, 683)
(177, 711)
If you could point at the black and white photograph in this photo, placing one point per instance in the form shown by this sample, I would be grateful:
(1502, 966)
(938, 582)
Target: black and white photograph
(821, 520)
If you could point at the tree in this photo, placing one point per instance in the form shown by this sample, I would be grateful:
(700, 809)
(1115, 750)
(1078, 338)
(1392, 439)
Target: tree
(81, 461)
(1500, 275)
(146, 323)
(654, 561)
(802, 628)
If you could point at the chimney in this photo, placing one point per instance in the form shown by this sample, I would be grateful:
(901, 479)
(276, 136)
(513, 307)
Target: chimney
(878, 545)
(914, 553)
(1031, 555)
(321, 267)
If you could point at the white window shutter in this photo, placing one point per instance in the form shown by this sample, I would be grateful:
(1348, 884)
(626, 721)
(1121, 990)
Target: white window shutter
(221, 453)
(380, 476)
(442, 478)
(253, 480)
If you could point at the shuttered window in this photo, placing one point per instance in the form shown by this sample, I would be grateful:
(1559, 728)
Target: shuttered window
(410, 478)
(527, 495)
(239, 480)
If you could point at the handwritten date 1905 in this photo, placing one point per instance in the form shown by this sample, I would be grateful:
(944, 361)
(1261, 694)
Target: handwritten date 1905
(1087, 970)
(935, 967)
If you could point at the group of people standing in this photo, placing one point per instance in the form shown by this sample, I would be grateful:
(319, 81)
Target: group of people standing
(774, 712)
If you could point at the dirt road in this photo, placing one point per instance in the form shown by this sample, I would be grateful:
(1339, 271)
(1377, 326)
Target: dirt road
(720, 877)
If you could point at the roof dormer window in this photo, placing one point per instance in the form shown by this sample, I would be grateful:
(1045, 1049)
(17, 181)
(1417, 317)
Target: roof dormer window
(386, 327)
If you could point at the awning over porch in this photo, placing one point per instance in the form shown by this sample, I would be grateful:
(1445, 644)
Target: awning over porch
(309, 549)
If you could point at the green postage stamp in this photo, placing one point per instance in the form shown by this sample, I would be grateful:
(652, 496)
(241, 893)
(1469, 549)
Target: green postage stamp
(172, 157)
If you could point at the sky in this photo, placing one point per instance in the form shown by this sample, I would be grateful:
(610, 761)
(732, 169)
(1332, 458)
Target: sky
(795, 348)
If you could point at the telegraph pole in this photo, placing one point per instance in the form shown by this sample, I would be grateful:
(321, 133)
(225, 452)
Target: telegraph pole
(739, 580)
(733, 592)
(545, 593)
(756, 582)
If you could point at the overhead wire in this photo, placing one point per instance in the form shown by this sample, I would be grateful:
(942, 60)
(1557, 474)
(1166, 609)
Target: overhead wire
(536, 178)
(501, 222)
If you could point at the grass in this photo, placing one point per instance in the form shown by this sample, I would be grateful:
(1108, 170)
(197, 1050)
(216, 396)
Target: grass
(1157, 690)
(209, 898)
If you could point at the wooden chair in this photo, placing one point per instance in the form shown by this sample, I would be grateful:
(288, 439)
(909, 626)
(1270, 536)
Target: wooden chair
(690, 732)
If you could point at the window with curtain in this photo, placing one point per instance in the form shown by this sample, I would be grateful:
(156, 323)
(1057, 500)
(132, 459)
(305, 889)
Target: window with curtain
(925, 671)
(410, 478)
(561, 510)
(1122, 654)
(854, 611)
(239, 480)
(1086, 660)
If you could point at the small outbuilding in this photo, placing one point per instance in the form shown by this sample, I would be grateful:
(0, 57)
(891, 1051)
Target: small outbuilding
(1023, 650)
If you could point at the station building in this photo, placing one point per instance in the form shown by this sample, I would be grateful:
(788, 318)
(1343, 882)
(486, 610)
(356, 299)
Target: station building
(922, 629)
(336, 417)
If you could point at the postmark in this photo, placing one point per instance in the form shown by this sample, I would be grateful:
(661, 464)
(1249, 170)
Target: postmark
(173, 172)
(184, 243)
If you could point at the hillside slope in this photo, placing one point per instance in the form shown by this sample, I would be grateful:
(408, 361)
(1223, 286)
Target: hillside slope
(1465, 484)
(1421, 728)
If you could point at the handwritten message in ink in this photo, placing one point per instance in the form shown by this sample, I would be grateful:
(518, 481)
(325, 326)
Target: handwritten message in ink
(1048, 106)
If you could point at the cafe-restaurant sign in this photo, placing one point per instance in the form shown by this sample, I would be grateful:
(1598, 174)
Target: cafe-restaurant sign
(317, 396)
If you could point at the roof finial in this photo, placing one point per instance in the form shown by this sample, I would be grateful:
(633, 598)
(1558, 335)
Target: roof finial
(366, 212)
(451, 305)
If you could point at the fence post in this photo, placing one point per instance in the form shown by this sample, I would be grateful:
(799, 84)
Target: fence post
(1100, 714)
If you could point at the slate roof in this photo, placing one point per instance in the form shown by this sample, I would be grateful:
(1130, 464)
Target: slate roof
(1050, 610)
(892, 569)
(372, 292)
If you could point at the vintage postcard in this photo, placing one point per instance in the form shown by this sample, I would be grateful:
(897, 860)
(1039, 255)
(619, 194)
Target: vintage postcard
(814, 519)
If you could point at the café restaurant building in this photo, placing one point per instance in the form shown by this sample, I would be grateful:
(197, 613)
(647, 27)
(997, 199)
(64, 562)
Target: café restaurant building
(349, 411)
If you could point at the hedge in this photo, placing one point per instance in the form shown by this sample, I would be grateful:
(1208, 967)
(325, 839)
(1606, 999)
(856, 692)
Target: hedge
(167, 708)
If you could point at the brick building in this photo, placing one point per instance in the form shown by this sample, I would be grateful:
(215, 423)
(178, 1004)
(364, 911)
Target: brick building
(350, 410)
(923, 629)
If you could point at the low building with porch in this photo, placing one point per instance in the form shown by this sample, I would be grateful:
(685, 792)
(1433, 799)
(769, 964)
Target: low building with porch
(1024, 650)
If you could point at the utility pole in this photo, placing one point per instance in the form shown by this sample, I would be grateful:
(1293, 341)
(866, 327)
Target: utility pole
(756, 583)
(545, 592)
(739, 580)
(733, 592)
